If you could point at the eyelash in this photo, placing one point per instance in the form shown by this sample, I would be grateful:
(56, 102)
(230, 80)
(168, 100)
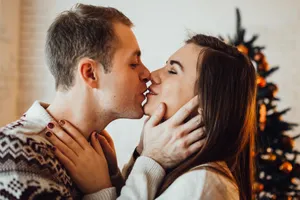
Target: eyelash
(172, 72)
(134, 65)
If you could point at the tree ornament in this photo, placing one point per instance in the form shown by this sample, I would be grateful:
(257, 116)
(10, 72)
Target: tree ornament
(269, 157)
(242, 48)
(262, 117)
(258, 187)
(258, 56)
(261, 82)
(286, 167)
(263, 65)
(295, 181)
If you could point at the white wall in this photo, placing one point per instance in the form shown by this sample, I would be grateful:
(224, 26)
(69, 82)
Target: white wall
(161, 27)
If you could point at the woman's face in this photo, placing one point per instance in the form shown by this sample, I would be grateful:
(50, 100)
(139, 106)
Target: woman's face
(174, 83)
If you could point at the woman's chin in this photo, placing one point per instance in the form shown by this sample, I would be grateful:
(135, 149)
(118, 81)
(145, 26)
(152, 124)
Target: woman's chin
(147, 109)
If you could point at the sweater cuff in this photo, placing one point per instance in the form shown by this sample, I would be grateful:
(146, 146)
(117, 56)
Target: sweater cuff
(105, 194)
(149, 166)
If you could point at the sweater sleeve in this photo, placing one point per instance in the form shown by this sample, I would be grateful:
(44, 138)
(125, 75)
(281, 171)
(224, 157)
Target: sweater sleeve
(29, 170)
(142, 183)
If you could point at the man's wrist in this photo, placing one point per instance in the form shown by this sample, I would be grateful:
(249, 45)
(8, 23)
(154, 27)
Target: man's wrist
(115, 175)
(136, 153)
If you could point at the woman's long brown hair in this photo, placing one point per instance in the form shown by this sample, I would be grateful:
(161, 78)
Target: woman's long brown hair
(226, 85)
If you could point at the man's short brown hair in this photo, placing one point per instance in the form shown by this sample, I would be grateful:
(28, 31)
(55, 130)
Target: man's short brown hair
(83, 31)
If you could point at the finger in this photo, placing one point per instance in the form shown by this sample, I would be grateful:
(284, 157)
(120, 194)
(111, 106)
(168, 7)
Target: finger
(194, 136)
(61, 147)
(68, 164)
(110, 155)
(106, 148)
(108, 139)
(195, 147)
(185, 111)
(96, 145)
(74, 133)
(157, 115)
(192, 124)
(64, 137)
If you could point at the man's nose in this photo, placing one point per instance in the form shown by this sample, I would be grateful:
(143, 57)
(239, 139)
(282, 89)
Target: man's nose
(145, 75)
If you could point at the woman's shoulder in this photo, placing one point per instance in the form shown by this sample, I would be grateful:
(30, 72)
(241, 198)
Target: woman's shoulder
(202, 183)
(215, 180)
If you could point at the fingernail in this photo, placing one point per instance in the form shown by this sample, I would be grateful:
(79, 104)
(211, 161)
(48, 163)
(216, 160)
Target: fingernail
(51, 125)
(48, 134)
(61, 122)
(200, 110)
(53, 148)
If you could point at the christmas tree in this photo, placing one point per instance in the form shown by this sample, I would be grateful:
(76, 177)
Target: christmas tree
(277, 173)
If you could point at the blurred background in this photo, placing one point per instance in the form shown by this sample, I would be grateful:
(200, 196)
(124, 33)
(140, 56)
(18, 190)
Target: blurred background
(161, 28)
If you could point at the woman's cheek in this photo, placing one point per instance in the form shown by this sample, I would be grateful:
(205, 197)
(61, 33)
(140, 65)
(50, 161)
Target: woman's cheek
(172, 97)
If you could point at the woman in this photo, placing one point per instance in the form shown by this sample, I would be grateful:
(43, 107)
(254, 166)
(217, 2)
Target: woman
(225, 81)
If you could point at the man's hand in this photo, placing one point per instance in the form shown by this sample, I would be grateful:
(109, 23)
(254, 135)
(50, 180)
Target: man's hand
(172, 141)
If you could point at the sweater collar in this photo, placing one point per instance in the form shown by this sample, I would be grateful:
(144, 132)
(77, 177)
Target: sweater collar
(37, 113)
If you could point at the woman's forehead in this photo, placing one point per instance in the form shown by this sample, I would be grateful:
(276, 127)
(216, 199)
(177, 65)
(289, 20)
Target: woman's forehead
(187, 54)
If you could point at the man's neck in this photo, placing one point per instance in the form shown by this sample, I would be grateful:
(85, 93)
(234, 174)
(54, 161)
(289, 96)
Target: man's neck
(79, 113)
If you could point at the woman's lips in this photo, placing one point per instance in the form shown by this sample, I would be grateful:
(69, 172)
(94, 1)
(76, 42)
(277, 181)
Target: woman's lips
(151, 91)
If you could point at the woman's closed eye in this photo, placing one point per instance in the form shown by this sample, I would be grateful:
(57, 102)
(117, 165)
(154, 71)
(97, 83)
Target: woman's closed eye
(172, 71)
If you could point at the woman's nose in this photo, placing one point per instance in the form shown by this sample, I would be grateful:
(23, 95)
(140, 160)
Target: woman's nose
(155, 77)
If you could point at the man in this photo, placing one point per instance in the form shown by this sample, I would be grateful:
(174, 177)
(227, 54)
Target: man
(95, 60)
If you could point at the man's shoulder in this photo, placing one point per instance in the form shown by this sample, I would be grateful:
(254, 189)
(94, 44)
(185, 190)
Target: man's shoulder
(28, 165)
(29, 154)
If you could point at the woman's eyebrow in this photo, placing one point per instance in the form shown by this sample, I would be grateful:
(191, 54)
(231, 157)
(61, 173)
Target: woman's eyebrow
(172, 62)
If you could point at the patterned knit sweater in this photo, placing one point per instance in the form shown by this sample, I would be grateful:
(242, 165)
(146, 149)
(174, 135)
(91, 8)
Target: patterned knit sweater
(28, 167)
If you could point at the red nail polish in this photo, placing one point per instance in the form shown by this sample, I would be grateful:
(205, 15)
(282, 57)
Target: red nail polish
(48, 134)
(51, 125)
(61, 122)
(53, 148)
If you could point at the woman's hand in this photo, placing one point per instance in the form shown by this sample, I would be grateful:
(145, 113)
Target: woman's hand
(86, 164)
(172, 141)
(109, 151)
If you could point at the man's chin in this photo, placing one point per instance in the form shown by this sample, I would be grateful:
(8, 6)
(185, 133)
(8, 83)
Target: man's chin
(139, 113)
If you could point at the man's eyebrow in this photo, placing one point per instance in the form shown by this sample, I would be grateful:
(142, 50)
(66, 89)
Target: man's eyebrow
(137, 53)
(172, 62)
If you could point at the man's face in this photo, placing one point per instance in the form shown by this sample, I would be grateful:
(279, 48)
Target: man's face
(123, 87)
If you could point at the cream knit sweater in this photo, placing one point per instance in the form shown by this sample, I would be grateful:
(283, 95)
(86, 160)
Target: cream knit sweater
(147, 175)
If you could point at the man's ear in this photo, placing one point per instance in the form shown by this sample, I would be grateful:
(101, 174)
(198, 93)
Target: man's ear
(87, 69)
